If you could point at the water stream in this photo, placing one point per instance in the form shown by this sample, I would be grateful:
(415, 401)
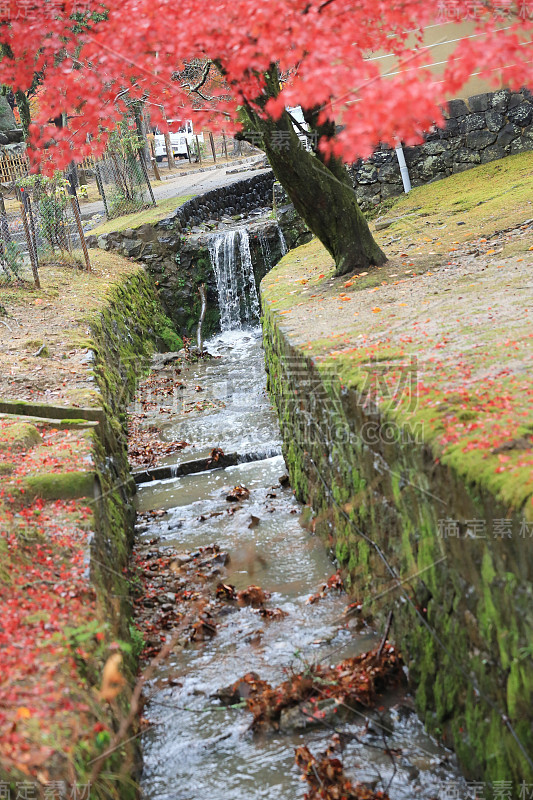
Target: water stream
(283, 243)
(231, 259)
(195, 748)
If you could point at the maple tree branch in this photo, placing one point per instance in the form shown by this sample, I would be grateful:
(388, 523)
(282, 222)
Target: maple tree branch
(207, 69)
(203, 96)
(324, 5)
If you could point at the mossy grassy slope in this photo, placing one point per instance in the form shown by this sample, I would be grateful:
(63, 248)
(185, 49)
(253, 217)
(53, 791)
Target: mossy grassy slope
(60, 315)
(63, 485)
(485, 199)
(145, 217)
(452, 314)
(20, 436)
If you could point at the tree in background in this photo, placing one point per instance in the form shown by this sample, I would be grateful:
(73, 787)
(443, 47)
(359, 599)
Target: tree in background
(324, 48)
(22, 96)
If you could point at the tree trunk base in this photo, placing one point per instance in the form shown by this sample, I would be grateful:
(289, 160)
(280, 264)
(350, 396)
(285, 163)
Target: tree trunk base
(325, 199)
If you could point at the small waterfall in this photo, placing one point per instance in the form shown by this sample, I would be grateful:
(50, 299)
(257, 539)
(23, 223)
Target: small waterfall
(252, 309)
(237, 293)
(283, 243)
(265, 250)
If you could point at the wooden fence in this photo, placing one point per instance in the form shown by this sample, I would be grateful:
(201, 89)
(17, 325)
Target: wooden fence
(87, 163)
(17, 166)
(13, 167)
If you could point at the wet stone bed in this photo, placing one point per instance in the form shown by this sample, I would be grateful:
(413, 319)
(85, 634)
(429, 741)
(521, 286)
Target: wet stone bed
(267, 655)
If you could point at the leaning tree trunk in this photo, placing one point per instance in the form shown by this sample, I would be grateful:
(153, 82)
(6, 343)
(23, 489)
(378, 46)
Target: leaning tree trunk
(322, 194)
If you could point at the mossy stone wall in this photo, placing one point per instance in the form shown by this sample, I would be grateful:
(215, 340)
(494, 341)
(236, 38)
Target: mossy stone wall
(463, 610)
(122, 338)
(480, 129)
(119, 338)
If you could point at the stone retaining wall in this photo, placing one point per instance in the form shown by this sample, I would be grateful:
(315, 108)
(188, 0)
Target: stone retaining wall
(465, 613)
(235, 198)
(483, 128)
(86, 501)
(122, 336)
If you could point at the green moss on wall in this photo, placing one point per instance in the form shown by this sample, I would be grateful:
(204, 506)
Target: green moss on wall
(123, 336)
(463, 615)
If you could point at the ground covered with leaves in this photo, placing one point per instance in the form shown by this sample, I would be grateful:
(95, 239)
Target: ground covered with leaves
(159, 396)
(54, 643)
(44, 338)
(440, 336)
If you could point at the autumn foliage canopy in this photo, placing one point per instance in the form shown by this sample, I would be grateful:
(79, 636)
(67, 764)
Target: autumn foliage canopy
(328, 52)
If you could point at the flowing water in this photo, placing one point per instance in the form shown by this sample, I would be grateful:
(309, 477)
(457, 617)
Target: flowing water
(194, 747)
(283, 243)
(231, 260)
(266, 250)
(230, 388)
(230, 256)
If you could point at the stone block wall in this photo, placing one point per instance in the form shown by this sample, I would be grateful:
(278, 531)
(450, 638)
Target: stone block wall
(235, 198)
(482, 128)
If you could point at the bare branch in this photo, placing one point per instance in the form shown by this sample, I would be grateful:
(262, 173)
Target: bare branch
(207, 69)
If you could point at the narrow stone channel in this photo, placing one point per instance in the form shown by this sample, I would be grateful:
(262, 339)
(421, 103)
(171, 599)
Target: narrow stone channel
(193, 746)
